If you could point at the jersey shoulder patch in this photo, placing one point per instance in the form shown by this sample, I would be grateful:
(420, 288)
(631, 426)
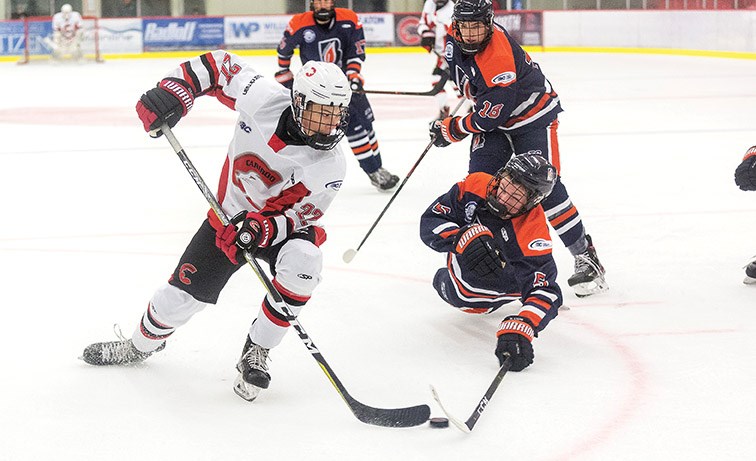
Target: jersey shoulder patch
(497, 62)
(533, 233)
(300, 21)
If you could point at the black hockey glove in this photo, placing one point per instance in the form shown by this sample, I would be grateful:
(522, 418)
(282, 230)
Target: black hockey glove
(745, 173)
(428, 41)
(474, 246)
(515, 340)
(167, 103)
(444, 132)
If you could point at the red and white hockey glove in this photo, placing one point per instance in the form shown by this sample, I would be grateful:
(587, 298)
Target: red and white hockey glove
(745, 173)
(444, 132)
(285, 77)
(475, 250)
(167, 103)
(246, 231)
(356, 82)
(515, 340)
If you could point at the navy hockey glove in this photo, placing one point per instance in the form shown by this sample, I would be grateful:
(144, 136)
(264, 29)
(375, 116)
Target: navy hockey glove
(247, 231)
(444, 132)
(515, 340)
(474, 246)
(167, 103)
(745, 173)
(285, 78)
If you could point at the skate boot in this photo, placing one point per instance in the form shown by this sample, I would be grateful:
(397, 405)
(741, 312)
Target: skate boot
(750, 270)
(383, 180)
(253, 371)
(588, 278)
(121, 352)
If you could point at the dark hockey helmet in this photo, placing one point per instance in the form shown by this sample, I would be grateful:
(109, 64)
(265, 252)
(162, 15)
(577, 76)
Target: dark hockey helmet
(325, 13)
(320, 97)
(473, 11)
(520, 185)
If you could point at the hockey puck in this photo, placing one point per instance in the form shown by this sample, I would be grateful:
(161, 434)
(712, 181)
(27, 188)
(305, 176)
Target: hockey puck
(439, 422)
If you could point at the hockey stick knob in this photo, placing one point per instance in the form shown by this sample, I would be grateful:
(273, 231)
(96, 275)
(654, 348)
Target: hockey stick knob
(349, 255)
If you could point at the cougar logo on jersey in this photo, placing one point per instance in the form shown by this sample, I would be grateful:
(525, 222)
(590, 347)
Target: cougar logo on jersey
(470, 208)
(330, 51)
(335, 185)
(540, 245)
(504, 78)
(249, 167)
(309, 36)
(440, 209)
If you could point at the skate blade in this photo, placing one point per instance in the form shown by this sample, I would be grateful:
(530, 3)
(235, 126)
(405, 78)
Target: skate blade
(590, 288)
(749, 280)
(245, 390)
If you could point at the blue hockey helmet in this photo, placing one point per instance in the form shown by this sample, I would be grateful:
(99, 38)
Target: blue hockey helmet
(520, 185)
(470, 11)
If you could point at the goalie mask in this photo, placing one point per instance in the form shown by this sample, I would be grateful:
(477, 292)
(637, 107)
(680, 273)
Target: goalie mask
(324, 11)
(472, 22)
(66, 10)
(520, 186)
(320, 99)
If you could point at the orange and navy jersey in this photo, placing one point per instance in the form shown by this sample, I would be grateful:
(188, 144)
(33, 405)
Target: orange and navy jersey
(523, 242)
(341, 41)
(508, 88)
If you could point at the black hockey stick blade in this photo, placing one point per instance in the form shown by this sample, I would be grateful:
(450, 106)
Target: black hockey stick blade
(390, 417)
(468, 425)
(437, 88)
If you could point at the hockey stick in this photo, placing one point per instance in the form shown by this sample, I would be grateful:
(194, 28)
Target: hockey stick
(351, 253)
(386, 417)
(468, 425)
(437, 88)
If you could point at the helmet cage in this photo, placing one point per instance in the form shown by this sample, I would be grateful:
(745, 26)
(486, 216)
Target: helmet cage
(473, 11)
(312, 119)
(323, 15)
(520, 186)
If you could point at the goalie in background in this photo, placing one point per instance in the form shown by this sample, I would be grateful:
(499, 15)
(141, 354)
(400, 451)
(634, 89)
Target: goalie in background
(68, 30)
(494, 232)
(745, 178)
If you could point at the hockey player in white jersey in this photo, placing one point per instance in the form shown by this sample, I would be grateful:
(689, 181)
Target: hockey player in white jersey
(435, 22)
(283, 169)
(68, 30)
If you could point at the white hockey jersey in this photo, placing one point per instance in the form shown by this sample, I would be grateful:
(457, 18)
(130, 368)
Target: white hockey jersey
(293, 184)
(67, 26)
(436, 21)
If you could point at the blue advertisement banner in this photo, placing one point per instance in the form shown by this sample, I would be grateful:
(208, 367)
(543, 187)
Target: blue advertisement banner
(182, 33)
(12, 37)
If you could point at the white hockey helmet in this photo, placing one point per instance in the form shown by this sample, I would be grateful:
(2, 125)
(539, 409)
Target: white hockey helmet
(66, 9)
(322, 83)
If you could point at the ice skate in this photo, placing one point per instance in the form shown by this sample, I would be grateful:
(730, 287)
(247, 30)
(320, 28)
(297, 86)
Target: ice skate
(383, 180)
(253, 371)
(750, 270)
(588, 278)
(121, 352)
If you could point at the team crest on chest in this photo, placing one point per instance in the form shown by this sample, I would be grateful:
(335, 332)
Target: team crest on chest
(251, 166)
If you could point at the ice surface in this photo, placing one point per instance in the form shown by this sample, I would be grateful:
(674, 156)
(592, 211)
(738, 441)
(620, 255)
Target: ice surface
(95, 215)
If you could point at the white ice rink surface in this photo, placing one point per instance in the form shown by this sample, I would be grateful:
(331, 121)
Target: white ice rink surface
(95, 215)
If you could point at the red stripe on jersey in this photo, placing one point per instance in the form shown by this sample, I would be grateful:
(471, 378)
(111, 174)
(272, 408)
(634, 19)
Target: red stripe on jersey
(286, 199)
(188, 78)
(467, 124)
(320, 235)
(290, 294)
(285, 63)
(545, 99)
(276, 143)
(227, 100)
(273, 318)
(355, 66)
(361, 149)
(214, 79)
